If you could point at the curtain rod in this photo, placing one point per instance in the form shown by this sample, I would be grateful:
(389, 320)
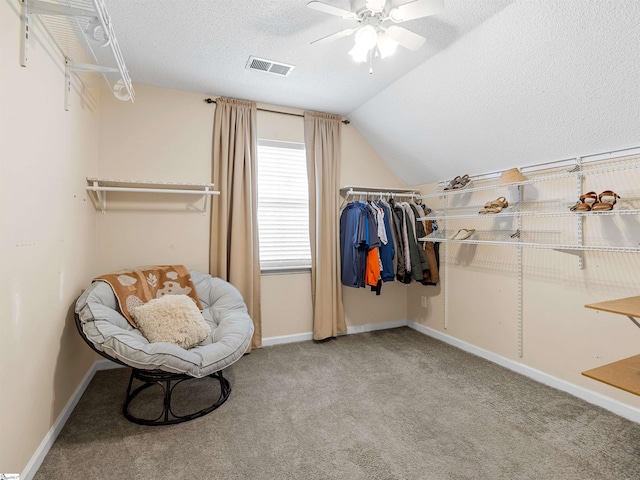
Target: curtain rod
(210, 100)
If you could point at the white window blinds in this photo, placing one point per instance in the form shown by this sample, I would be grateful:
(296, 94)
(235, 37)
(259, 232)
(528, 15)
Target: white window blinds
(283, 206)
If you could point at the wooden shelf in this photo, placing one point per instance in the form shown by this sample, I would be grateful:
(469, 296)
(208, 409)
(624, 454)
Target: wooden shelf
(629, 306)
(623, 374)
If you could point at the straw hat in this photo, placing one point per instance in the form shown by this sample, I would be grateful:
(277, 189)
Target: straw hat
(512, 175)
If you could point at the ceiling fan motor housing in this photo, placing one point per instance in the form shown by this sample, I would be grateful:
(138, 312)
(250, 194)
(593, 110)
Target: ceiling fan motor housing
(359, 7)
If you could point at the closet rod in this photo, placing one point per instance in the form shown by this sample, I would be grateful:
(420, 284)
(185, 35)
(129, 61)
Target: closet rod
(355, 193)
(211, 100)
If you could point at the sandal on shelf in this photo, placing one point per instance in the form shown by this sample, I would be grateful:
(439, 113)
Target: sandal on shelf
(452, 183)
(463, 182)
(495, 206)
(463, 234)
(606, 201)
(458, 183)
(586, 202)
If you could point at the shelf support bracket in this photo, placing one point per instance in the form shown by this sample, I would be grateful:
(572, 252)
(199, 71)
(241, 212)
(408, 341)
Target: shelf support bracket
(580, 218)
(444, 272)
(74, 67)
(518, 231)
(24, 54)
(102, 198)
(634, 321)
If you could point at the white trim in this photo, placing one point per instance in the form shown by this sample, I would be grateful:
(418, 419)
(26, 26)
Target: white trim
(297, 337)
(608, 403)
(48, 440)
(303, 337)
(106, 364)
(376, 326)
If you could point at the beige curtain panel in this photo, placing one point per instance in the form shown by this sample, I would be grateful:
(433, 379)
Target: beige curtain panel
(234, 222)
(323, 144)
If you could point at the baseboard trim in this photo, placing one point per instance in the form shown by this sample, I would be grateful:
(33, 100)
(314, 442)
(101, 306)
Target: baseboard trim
(303, 337)
(608, 403)
(296, 337)
(371, 327)
(106, 364)
(46, 444)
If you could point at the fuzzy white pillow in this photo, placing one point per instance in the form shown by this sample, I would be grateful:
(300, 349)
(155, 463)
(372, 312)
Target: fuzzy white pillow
(171, 318)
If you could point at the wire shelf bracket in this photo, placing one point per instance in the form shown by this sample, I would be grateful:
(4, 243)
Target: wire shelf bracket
(90, 26)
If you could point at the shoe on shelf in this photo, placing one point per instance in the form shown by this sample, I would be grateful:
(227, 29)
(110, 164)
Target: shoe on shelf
(463, 234)
(495, 206)
(586, 202)
(458, 183)
(606, 201)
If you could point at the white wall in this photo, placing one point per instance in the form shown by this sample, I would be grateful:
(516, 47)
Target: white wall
(47, 235)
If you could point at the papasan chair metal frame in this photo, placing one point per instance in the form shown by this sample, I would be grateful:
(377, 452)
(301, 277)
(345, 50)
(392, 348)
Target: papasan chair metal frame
(105, 330)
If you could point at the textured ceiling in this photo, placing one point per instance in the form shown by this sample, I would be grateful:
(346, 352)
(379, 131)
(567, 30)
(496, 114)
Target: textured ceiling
(203, 46)
(499, 83)
(541, 80)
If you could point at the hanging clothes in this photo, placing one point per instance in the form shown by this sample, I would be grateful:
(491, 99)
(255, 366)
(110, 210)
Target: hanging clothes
(387, 251)
(379, 243)
(358, 237)
(403, 270)
(352, 243)
(432, 251)
(420, 232)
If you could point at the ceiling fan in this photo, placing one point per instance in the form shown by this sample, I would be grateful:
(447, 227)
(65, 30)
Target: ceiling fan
(378, 34)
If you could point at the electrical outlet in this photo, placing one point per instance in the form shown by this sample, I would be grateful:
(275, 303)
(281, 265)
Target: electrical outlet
(423, 301)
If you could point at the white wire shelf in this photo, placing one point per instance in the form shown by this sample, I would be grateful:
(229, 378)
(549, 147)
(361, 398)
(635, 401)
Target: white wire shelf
(83, 32)
(100, 186)
(565, 170)
(553, 240)
(538, 209)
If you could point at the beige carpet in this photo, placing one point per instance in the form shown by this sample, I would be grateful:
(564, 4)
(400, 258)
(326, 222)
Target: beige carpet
(392, 404)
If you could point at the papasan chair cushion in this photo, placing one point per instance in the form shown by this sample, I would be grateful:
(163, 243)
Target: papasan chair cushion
(166, 364)
(223, 310)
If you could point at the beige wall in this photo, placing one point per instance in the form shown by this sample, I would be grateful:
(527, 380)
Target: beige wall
(166, 136)
(47, 236)
(560, 337)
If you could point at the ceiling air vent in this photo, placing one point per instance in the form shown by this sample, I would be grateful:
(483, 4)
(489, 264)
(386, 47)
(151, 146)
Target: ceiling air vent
(269, 66)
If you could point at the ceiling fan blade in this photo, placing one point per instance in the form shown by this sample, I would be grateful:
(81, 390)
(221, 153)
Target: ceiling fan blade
(330, 9)
(409, 40)
(335, 36)
(417, 9)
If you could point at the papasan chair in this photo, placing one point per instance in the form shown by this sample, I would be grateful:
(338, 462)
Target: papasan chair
(108, 332)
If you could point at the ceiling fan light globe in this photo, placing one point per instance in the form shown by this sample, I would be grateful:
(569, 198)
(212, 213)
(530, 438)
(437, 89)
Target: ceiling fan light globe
(366, 37)
(386, 46)
(376, 6)
(359, 54)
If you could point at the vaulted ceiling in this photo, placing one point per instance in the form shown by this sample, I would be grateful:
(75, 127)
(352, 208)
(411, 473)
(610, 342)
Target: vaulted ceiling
(499, 83)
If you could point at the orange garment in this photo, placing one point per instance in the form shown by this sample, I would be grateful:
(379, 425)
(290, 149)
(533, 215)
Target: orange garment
(372, 271)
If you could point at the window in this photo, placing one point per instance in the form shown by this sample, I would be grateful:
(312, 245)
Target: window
(283, 206)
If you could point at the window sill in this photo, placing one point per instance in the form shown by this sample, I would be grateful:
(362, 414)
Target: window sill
(285, 271)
